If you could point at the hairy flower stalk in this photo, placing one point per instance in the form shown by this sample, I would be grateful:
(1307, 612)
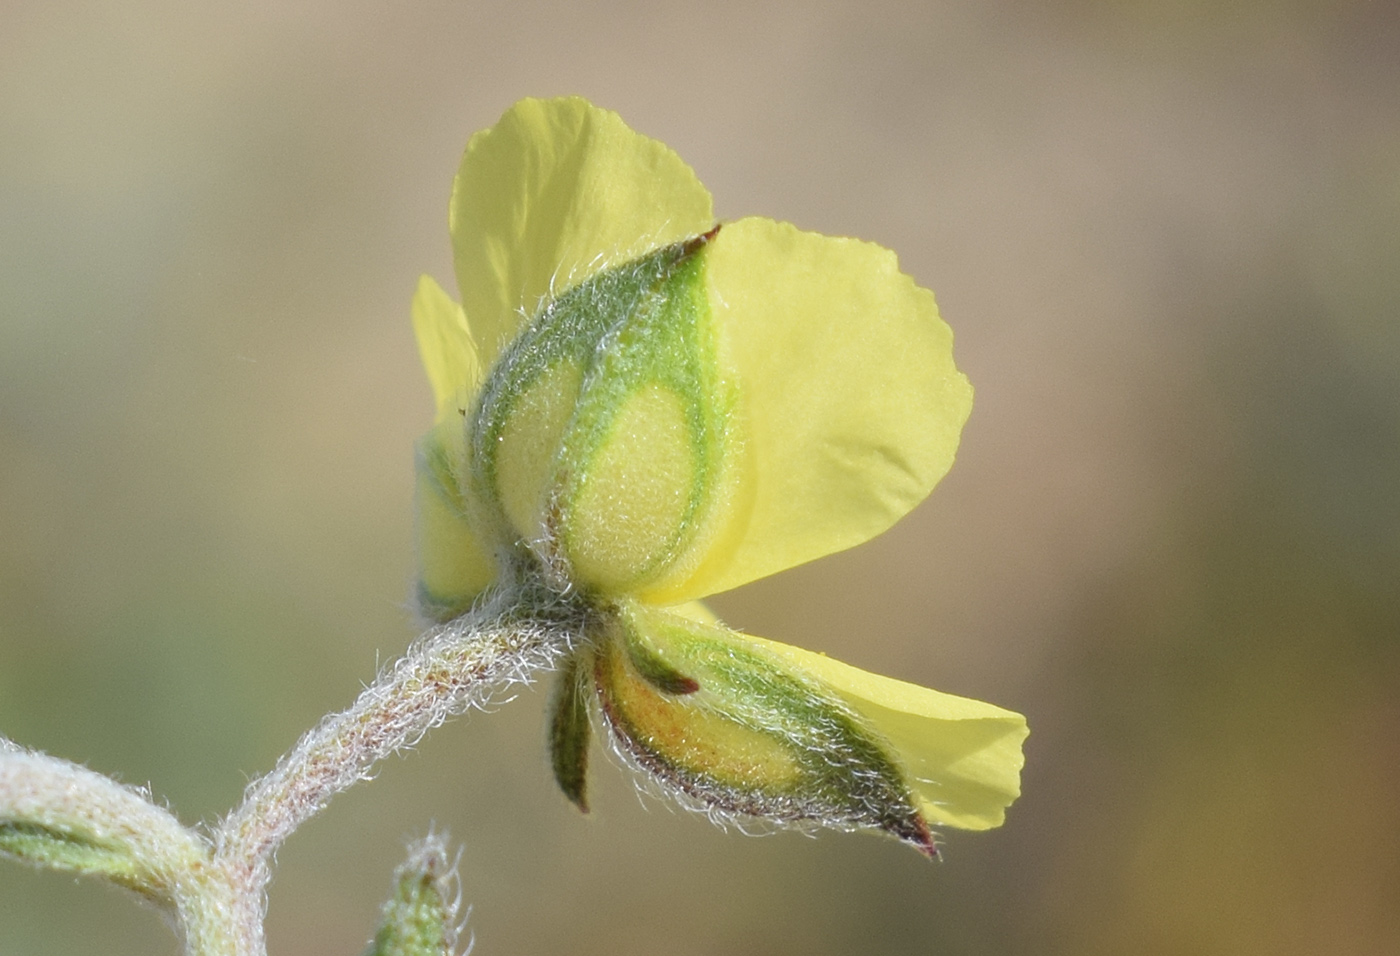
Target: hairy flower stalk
(93, 825)
(452, 668)
(62, 816)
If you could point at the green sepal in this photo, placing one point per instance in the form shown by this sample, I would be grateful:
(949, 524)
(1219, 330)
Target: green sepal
(754, 738)
(633, 339)
(419, 918)
(570, 732)
(74, 852)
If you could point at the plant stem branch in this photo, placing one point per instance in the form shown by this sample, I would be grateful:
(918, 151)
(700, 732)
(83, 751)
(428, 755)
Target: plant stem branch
(450, 669)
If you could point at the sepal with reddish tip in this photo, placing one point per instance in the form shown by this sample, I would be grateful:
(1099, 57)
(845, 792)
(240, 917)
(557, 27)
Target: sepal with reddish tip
(726, 729)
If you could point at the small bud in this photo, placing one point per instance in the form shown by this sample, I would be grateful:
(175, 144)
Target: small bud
(420, 918)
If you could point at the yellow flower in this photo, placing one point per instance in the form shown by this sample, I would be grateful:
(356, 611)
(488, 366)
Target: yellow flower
(637, 408)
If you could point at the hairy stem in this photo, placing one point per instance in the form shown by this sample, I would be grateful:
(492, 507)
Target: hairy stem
(450, 669)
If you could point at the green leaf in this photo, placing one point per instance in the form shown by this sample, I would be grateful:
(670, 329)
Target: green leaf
(73, 851)
(58, 815)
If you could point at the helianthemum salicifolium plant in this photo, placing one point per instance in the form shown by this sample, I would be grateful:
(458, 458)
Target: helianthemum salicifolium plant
(637, 407)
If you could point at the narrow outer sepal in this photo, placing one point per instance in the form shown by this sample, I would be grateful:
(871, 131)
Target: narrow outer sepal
(570, 732)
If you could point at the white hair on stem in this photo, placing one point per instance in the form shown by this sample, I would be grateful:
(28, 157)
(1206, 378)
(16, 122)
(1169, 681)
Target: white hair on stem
(454, 667)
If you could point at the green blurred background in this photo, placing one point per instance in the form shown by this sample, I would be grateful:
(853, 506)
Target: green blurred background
(1167, 236)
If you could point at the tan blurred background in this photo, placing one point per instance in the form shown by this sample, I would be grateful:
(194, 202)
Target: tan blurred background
(1167, 236)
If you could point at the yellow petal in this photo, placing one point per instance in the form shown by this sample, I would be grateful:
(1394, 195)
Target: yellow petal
(453, 564)
(961, 757)
(554, 192)
(446, 347)
(696, 611)
(850, 406)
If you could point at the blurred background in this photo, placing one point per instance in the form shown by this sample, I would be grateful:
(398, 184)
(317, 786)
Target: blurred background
(1167, 236)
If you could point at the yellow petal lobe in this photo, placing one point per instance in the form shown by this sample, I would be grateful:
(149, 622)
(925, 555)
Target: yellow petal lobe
(850, 406)
(554, 192)
(696, 611)
(454, 566)
(446, 348)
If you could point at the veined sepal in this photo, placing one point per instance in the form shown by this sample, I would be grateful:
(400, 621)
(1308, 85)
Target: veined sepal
(723, 726)
(600, 438)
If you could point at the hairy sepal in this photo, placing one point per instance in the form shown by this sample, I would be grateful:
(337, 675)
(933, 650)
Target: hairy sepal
(725, 728)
